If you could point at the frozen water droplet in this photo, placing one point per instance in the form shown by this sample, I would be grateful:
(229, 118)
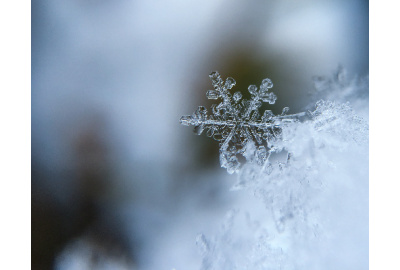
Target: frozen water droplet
(266, 84)
(229, 83)
(237, 96)
(252, 89)
(212, 94)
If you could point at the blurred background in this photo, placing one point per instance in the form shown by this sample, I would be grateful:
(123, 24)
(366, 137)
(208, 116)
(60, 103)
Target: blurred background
(117, 182)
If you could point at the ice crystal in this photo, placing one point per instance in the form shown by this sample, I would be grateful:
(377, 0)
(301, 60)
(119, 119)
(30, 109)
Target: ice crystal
(295, 227)
(296, 166)
(236, 123)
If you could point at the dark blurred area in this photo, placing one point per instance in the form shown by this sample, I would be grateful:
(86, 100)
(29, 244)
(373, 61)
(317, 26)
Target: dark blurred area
(117, 183)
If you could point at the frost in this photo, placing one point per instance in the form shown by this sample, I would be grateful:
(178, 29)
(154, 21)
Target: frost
(342, 88)
(306, 174)
(236, 122)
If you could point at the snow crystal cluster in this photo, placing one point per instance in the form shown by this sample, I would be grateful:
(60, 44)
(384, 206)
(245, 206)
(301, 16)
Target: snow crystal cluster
(306, 176)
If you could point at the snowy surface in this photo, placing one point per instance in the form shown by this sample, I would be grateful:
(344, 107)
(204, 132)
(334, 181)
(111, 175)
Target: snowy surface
(311, 207)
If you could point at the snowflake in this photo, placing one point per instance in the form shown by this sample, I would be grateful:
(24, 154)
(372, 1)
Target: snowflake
(236, 123)
(295, 166)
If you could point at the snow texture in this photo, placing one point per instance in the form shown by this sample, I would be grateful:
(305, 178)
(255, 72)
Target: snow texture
(305, 180)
